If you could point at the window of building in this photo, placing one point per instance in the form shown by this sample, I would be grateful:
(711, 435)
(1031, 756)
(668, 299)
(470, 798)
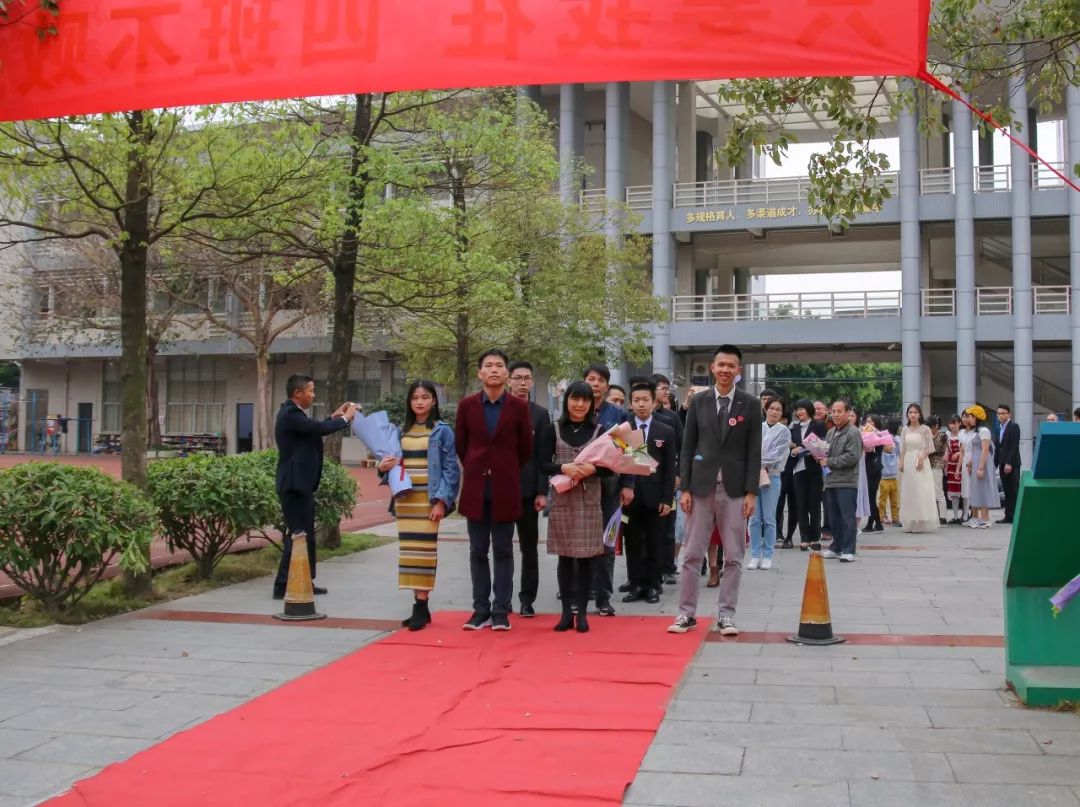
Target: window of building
(194, 396)
(364, 385)
(110, 398)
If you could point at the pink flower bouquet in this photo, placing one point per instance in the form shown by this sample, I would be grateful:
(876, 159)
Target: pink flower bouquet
(873, 439)
(817, 447)
(620, 449)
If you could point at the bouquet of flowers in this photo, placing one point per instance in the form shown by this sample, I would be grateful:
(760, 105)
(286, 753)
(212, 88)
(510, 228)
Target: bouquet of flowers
(620, 449)
(818, 448)
(873, 439)
(381, 438)
(1068, 591)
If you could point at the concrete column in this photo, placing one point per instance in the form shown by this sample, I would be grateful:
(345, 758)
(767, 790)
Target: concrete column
(1073, 156)
(663, 176)
(911, 310)
(965, 256)
(616, 144)
(687, 133)
(1023, 363)
(571, 137)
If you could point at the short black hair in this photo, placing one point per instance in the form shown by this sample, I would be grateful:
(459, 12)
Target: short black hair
(616, 386)
(933, 421)
(598, 368)
(1006, 407)
(521, 365)
(730, 350)
(296, 382)
(804, 403)
(769, 393)
(492, 351)
(581, 391)
(1076, 413)
(660, 378)
(643, 385)
(846, 402)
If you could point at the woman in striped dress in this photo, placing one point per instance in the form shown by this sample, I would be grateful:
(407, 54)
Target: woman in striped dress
(427, 446)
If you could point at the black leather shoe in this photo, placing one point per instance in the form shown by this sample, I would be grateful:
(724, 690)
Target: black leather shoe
(625, 587)
(604, 607)
(670, 580)
(526, 610)
(634, 596)
(652, 597)
(318, 590)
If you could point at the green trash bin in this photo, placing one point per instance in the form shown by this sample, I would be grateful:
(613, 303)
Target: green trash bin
(1042, 650)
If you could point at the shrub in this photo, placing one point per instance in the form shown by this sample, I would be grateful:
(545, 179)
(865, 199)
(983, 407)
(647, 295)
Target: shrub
(62, 525)
(335, 498)
(207, 503)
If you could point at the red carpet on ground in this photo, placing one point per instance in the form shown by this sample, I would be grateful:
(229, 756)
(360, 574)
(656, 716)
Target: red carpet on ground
(442, 716)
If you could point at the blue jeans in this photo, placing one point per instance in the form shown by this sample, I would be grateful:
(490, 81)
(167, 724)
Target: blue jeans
(497, 537)
(763, 521)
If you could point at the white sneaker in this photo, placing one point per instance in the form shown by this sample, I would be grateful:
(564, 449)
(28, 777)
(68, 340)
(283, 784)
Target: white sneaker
(847, 557)
(974, 524)
(766, 563)
(753, 564)
(828, 554)
(682, 624)
(726, 626)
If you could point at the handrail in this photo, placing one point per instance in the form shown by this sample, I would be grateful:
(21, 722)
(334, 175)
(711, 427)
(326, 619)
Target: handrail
(936, 180)
(810, 305)
(992, 300)
(939, 302)
(993, 178)
(639, 197)
(592, 199)
(1042, 177)
(1052, 299)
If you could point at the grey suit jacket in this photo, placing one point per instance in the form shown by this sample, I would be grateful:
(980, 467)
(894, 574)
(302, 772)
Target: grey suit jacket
(737, 454)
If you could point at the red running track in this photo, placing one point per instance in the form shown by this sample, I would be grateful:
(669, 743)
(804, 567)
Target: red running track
(442, 716)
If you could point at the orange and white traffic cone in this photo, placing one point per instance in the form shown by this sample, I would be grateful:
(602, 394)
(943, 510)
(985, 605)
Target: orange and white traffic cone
(299, 591)
(815, 623)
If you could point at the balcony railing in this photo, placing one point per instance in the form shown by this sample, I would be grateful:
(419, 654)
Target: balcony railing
(939, 302)
(639, 197)
(1052, 299)
(936, 180)
(760, 307)
(995, 300)
(992, 178)
(1042, 177)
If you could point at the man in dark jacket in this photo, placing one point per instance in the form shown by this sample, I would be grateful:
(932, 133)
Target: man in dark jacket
(645, 545)
(494, 442)
(300, 458)
(665, 413)
(1006, 439)
(534, 486)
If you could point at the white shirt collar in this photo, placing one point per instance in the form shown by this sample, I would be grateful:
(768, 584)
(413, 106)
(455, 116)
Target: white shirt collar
(646, 423)
(717, 395)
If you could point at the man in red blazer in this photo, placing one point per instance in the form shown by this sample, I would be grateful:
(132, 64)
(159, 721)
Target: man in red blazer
(494, 441)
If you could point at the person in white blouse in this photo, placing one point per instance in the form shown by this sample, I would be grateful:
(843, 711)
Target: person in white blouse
(918, 502)
(774, 453)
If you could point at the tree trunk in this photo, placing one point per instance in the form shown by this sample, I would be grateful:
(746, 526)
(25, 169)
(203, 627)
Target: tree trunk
(461, 344)
(345, 262)
(133, 337)
(461, 323)
(153, 393)
(264, 418)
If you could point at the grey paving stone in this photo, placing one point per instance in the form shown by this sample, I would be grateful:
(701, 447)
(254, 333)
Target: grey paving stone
(90, 750)
(720, 675)
(710, 758)
(709, 711)
(687, 732)
(791, 664)
(996, 741)
(914, 696)
(203, 684)
(964, 681)
(839, 715)
(37, 780)
(59, 676)
(917, 794)
(755, 693)
(275, 655)
(849, 765)
(269, 672)
(695, 790)
(10, 800)
(1058, 742)
(839, 680)
(15, 741)
(1015, 769)
(1001, 718)
(831, 651)
(907, 665)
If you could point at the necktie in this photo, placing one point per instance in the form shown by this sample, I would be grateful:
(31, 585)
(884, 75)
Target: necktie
(644, 433)
(721, 414)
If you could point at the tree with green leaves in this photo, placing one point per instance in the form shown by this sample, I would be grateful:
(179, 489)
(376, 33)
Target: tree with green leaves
(41, 14)
(871, 387)
(974, 47)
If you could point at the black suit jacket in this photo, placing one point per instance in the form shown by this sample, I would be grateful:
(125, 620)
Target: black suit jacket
(300, 448)
(533, 480)
(659, 487)
(707, 450)
(673, 420)
(1007, 446)
(816, 428)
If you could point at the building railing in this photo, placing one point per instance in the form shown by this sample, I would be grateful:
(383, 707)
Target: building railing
(992, 300)
(1042, 177)
(593, 199)
(993, 178)
(811, 305)
(639, 197)
(936, 180)
(1052, 299)
(939, 302)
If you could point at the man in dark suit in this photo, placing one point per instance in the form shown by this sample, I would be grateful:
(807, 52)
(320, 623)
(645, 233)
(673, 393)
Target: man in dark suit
(806, 477)
(719, 478)
(1007, 459)
(534, 484)
(665, 413)
(494, 442)
(300, 459)
(644, 544)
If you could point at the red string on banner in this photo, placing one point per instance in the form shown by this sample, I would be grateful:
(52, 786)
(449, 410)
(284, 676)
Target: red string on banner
(937, 84)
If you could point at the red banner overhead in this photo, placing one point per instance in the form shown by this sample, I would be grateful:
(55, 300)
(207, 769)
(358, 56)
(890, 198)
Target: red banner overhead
(126, 54)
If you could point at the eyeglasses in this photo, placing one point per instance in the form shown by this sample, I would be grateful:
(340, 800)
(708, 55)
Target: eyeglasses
(521, 378)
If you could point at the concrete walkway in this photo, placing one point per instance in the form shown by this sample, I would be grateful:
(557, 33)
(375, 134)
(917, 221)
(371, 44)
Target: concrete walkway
(760, 721)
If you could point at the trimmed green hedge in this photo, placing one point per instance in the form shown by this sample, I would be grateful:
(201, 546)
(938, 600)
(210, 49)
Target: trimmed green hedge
(335, 498)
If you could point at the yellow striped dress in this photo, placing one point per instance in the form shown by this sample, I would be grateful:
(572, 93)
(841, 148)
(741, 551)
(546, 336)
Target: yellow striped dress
(417, 535)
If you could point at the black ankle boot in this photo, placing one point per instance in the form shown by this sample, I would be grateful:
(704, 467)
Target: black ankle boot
(420, 617)
(567, 620)
(582, 621)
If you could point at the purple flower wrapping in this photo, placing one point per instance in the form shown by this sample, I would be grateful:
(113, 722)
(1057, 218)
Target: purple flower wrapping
(1067, 592)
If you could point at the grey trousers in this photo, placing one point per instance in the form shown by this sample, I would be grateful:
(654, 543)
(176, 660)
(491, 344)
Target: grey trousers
(725, 513)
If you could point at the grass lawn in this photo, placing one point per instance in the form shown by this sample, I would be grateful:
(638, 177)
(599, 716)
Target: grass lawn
(107, 598)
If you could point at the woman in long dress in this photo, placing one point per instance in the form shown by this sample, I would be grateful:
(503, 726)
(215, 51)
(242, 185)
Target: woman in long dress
(918, 502)
(979, 468)
(967, 437)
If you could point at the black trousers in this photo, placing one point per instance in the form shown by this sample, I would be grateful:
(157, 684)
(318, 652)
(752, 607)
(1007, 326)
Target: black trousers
(497, 537)
(574, 576)
(873, 481)
(808, 503)
(528, 532)
(299, 512)
(787, 497)
(1011, 485)
(644, 542)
